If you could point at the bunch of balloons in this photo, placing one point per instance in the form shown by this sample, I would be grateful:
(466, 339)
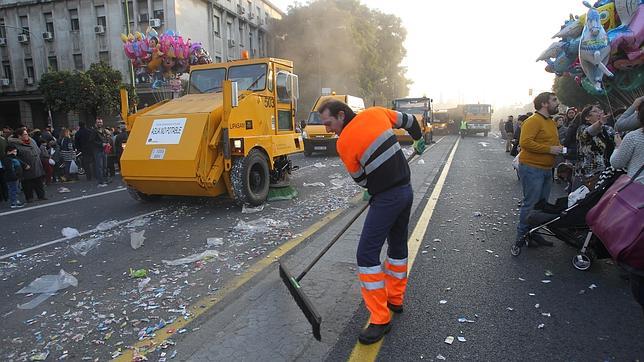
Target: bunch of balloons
(602, 49)
(162, 57)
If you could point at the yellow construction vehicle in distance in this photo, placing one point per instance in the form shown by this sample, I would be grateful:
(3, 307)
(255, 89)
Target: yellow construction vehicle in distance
(314, 133)
(422, 109)
(230, 134)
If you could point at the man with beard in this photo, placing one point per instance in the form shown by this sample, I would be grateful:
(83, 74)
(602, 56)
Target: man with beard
(539, 146)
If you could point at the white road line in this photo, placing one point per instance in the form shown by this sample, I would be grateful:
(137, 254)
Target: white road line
(61, 202)
(6, 256)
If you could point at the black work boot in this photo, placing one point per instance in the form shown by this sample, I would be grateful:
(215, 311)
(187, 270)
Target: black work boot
(395, 308)
(373, 333)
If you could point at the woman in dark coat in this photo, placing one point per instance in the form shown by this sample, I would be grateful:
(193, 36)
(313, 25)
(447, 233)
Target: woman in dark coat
(29, 153)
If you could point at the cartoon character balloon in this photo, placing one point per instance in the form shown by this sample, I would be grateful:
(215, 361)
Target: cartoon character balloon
(594, 49)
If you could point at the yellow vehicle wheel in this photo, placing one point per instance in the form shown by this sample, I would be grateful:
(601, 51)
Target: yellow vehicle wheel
(250, 178)
(140, 196)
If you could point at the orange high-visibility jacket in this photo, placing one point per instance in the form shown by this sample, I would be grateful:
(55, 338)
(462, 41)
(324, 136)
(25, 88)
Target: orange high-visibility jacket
(368, 147)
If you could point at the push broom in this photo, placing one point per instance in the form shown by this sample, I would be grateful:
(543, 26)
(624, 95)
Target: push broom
(293, 283)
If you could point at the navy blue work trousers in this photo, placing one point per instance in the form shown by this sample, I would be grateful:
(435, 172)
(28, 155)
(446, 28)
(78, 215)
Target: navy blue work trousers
(387, 219)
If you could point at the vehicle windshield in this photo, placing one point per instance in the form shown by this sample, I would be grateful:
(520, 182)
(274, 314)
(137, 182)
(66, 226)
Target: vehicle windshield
(478, 108)
(314, 118)
(441, 117)
(207, 80)
(249, 77)
(411, 106)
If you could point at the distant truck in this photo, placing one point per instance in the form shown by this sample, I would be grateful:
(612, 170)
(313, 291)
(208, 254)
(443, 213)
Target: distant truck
(230, 134)
(441, 122)
(422, 109)
(478, 117)
(314, 134)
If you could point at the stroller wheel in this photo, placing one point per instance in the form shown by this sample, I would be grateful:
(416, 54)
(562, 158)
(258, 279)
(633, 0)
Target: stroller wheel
(515, 251)
(581, 262)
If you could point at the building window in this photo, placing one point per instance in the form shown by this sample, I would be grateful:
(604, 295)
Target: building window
(3, 29)
(24, 24)
(229, 30)
(250, 41)
(241, 35)
(6, 68)
(250, 7)
(100, 15)
(217, 25)
(29, 66)
(73, 15)
(49, 23)
(78, 61)
(104, 57)
(157, 11)
(53, 64)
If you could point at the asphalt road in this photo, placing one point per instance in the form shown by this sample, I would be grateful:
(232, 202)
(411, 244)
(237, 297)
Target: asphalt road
(108, 308)
(533, 307)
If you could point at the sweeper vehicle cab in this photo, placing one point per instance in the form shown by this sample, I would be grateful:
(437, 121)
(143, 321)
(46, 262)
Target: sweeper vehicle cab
(230, 134)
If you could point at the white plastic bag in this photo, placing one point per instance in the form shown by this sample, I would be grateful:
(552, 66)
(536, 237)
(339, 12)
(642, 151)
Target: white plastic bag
(515, 162)
(73, 167)
(577, 195)
(52, 162)
(47, 285)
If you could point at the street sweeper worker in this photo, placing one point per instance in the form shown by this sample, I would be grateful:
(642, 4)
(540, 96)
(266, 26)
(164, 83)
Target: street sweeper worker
(369, 150)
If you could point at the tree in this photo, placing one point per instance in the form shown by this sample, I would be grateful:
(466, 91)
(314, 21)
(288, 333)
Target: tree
(572, 94)
(95, 92)
(365, 47)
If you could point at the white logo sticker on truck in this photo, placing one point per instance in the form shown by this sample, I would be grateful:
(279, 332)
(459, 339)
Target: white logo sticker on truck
(166, 131)
(157, 154)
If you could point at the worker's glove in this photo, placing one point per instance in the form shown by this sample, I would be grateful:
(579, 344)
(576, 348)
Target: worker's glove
(365, 195)
(419, 146)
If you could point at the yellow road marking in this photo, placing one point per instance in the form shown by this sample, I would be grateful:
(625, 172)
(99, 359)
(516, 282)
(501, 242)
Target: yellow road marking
(363, 352)
(206, 303)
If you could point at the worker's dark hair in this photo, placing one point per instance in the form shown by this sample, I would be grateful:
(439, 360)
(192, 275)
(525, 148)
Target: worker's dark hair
(586, 112)
(541, 99)
(522, 117)
(10, 148)
(335, 107)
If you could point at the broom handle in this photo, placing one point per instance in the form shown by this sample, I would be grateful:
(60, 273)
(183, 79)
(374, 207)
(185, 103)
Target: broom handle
(339, 234)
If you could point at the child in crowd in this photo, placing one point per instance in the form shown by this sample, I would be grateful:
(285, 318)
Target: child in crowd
(12, 174)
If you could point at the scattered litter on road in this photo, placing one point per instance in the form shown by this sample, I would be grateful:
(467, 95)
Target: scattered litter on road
(484, 144)
(489, 251)
(540, 326)
(106, 225)
(443, 301)
(137, 239)
(465, 320)
(545, 314)
(83, 247)
(143, 283)
(70, 232)
(592, 286)
(314, 184)
(510, 309)
(461, 339)
(319, 165)
(47, 285)
(536, 305)
(521, 279)
(437, 240)
(548, 273)
(137, 223)
(441, 357)
(546, 281)
(259, 225)
(531, 294)
(192, 258)
(214, 242)
(251, 210)
(63, 190)
(477, 214)
(139, 273)
(449, 340)
(421, 162)
(40, 356)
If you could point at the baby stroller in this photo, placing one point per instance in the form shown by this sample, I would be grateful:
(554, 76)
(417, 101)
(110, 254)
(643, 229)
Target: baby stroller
(569, 223)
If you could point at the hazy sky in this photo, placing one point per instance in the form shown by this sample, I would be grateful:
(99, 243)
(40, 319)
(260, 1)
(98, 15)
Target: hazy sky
(477, 51)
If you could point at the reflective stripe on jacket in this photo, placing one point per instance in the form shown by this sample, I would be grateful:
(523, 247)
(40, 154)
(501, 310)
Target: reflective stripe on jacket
(370, 151)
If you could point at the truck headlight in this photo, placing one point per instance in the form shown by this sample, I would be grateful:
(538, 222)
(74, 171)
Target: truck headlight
(237, 144)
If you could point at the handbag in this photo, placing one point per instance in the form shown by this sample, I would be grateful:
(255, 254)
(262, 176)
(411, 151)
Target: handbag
(618, 221)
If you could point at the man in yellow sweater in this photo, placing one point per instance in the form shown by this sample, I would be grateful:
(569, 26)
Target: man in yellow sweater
(539, 145)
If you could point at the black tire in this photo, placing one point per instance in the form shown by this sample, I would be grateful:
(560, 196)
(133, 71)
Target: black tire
(140, 196)
(308, 150)
(250, 178)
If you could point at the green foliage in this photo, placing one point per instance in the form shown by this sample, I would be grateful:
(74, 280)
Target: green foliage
(95, 91)
(570, 93)
(345, 46)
